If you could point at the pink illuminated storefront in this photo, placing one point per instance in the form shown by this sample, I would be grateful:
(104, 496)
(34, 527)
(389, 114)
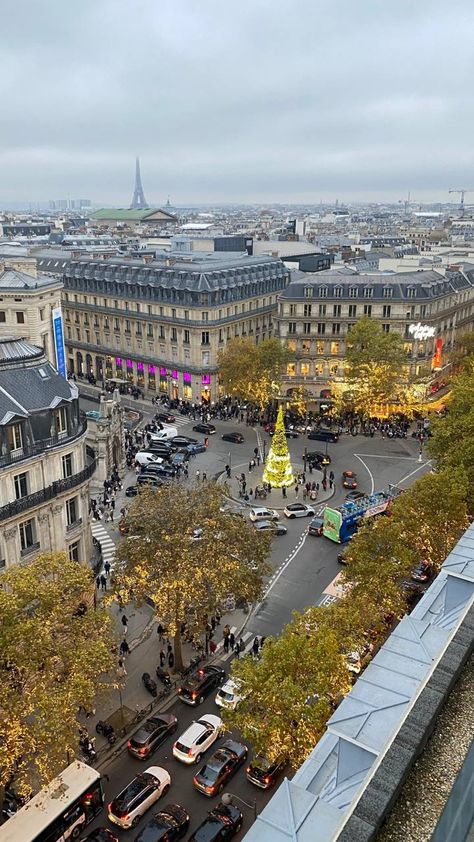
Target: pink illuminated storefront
(156, 379)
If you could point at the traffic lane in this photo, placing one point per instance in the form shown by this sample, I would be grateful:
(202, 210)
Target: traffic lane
(124, 768)
(299, 586)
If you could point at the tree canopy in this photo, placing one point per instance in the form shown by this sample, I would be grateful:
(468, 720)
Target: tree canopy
(55, 651)
(187, 573)
(252, 372)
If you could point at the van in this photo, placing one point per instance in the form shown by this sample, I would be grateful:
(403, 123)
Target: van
(323, 435)
(164, 434)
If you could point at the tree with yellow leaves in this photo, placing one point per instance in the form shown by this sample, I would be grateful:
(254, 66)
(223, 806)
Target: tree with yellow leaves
(55, 652)
(187, 555)
(252, 372)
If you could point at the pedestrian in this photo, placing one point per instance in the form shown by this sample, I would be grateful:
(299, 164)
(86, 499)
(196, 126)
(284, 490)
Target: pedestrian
(206, 442)
(324, 483)
(296, 490)
(331, 483)
(213, 624)
(255, 647)
(262, 641)
(226, 643)
(170, 660)
(241, 644)
(231, 640)
(186, 471)
(124, 648)
(227, 470)
(97, 581)
(226, 630)
(103, 582)
(159, 631)
(250, 466)
(331, 476)
(218, 616)
(162, 659)
(198, 474)
(121, 671)
(124, 620)
(212, 647)
(236, 650)
(204, 476)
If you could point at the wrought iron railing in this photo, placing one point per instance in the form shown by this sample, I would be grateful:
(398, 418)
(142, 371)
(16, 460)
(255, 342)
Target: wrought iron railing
(17, 507)
(27, 451)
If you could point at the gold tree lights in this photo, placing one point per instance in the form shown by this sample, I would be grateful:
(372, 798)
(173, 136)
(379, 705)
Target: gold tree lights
(278, 471)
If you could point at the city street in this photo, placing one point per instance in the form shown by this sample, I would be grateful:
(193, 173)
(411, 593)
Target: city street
(303, 568)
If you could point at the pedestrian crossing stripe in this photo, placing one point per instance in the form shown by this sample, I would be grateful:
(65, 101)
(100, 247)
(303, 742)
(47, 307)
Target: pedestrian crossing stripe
(107, 546)
(247, 637)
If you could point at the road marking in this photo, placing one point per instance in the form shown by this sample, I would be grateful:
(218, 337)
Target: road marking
(368, 471)
(423, 464)
(380, 456)
(285, 564)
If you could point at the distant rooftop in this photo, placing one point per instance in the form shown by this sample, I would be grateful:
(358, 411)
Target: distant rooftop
(133, 215)
(14, 279)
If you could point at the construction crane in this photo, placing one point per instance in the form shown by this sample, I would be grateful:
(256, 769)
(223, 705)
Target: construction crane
(462, 194)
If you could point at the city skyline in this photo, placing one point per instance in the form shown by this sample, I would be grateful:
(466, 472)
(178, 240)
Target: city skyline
(260, 103)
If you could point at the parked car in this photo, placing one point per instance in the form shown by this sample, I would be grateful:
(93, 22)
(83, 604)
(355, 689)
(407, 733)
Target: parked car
(262, 513)
(298, 510)
(207, 429)
(234, 438)
(200, 683)
(131, 491)
(152, 734)
(165, 434)
(145, 457)
(198, 737)
(221, 766)
(353, 496)
(149, 479)
(164, 471)
(264, 773)
(316, 526)
(230, 694)
(182, 441)
(316, 457)
(270, 526)
(222, 823)
(159, 448)
(323, 435)
(169, 824)
(139, 795)
(180, 458)
(194, 449)
(167, 417)
(349, 479)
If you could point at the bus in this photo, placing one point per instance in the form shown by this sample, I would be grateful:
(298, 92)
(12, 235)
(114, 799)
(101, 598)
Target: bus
(61, 810)
(341, 524)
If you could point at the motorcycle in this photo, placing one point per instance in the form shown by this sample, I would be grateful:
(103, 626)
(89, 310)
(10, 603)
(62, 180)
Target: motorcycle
(150, 684)
(163, 676)
(107, 731)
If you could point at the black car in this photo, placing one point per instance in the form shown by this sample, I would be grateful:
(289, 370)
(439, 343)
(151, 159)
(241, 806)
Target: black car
(151, 734)
(323, 435)
(159, 448)
(316, 526)
(163, 471)
(149, 479)
(168, 417)
(223, 822)
(100, 834)
(180, 458)
(169, 824)
(222, 764)
(235, 438)
(182, 441)
(264, 773)
(316, 457)
(194, 690)
(131, 491)
(353, 496)
(207, 429)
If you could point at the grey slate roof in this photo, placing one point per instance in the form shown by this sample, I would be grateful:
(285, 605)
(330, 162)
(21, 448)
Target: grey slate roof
(14, 279)
(426, 283)
(326, 788)
(28, 381)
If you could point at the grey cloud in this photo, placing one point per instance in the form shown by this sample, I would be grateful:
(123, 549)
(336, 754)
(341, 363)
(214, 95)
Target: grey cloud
(255, 100)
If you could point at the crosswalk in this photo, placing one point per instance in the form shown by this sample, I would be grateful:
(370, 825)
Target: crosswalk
(107, 546)
(247, 638)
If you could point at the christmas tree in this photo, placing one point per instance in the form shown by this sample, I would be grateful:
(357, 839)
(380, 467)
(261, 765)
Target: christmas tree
(278, 471)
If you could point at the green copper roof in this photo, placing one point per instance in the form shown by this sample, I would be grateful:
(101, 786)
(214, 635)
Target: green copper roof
(127, 213)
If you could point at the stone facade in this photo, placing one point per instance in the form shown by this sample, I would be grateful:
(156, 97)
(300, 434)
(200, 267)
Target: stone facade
(106, 436)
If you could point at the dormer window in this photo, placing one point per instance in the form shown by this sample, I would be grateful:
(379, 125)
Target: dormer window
(337, 292)
(368, 292)
(308, 292)
(387, 292)
(353, 292)
(323, 292)
(411, 292)
(15, 438)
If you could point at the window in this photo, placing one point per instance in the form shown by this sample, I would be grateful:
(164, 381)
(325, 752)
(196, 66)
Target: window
(336, 327)
(336, 310)
(138, 329)
(292, 345)
(27, 536)
(321, 328)
(291, 369)
(307, 310)
(21, 485)
(72, 511)
(308, 292)
(423, 311)
(174, 334)
(368, 292)
(367, 309)
(322, 309)
(205, 316)
(352, 311)
(20, 317)
(221, 335)
(162, 332)
(117, 325)
(67, 465)
(353, 292)
(304, 369)
(387, 292)
(127, 326)
(305, 346)
(138, 308)
(291, 327)
(334, 348)
(186, 336)
(15, 437)
(337, 292)
(306, 327)
(323, 292)
(386, 328)
(62, 420)
(292, 310)
(74, 551)
(320, 347)
(387, 310)
(205, 337)
(42, 314)
(411, 292)
(186, 314)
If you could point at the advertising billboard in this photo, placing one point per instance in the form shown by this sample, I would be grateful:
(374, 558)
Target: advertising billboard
(332, 524)
(59, 341)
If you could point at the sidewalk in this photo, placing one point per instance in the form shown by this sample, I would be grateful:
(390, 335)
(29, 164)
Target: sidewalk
(275, 499)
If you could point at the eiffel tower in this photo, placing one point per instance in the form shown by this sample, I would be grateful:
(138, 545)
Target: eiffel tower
(138, 201)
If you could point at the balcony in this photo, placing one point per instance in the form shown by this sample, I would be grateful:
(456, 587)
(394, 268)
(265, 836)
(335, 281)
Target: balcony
(42, 446)
(17, 507)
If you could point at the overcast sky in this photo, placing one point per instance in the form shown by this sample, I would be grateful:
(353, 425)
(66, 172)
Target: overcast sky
(250, 101)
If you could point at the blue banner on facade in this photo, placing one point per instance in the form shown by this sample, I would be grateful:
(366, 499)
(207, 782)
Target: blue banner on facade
(59, 341)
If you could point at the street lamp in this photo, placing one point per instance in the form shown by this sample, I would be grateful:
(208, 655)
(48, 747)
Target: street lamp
(229, 797)
(264, 450)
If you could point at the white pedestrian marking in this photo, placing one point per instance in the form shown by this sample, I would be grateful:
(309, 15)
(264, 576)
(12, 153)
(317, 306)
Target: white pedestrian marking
(107, 546)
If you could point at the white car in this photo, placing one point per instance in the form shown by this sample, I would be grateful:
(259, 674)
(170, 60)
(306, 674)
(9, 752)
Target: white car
(139, 795)
(262, 513)
(200, 736)
(143, 457)
(229, 695)
(299, 510)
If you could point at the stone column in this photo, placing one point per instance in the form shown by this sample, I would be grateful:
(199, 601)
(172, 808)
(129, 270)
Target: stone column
(12, 545)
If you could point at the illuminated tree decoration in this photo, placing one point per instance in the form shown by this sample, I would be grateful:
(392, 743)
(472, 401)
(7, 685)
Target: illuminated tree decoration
(278, 471)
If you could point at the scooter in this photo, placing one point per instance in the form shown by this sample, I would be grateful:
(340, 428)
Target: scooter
(150, 684)
(107, 731)
(163, 676)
